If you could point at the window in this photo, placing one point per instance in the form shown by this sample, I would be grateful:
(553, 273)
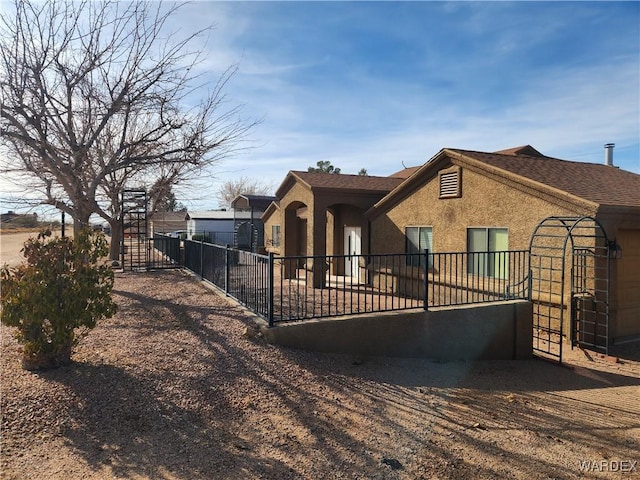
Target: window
(482, 245)
(275, 235)
(418, 239)
(450, 183)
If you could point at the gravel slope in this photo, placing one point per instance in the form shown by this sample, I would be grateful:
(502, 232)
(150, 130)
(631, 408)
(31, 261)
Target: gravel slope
(172, 387)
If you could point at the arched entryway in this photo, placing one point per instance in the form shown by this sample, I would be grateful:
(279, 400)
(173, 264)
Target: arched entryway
(569, 285)
(296, 238)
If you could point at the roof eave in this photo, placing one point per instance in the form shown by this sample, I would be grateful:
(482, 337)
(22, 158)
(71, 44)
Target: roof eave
(405, 187)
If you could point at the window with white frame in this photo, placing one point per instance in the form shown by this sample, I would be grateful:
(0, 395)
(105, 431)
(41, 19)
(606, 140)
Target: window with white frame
(483, 247)
(418, 239)
(275, 235)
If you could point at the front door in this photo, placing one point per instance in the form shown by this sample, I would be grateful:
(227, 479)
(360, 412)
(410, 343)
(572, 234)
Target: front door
(352, 250)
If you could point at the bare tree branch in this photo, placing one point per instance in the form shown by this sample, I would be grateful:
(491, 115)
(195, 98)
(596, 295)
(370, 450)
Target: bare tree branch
(241, 186)
(95, 95)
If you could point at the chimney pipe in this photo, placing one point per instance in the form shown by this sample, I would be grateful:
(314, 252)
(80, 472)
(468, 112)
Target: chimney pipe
(608, 154)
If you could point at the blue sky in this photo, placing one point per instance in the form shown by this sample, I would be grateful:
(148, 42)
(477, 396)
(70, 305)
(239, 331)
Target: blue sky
(377, 85)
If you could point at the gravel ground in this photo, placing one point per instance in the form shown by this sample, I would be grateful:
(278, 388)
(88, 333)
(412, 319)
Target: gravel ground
(173, 387)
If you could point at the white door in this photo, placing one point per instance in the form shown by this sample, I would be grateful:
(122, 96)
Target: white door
(352, 248)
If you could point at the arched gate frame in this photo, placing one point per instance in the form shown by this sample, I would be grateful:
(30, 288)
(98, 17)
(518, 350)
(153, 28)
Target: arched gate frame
(569, 285)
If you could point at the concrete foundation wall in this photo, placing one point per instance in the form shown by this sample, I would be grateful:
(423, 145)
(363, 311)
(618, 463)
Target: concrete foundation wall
(501, 330)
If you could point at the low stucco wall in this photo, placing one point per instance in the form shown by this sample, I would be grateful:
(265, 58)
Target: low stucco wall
(501, 330)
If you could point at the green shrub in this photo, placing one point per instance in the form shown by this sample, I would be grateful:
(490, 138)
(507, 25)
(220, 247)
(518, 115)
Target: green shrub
(64, 285)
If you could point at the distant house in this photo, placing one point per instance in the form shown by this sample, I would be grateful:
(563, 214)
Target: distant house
(469, 201)
(250, 233)
(167, 222)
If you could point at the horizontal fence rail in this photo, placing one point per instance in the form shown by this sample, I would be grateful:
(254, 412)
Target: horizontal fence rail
(295, 288)
(242, 275)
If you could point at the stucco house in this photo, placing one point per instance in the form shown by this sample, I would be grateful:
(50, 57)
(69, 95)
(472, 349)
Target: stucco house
(315, 212)
(466, 201)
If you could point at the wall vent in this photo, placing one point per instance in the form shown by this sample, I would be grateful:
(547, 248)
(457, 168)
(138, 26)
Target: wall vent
(450, 184)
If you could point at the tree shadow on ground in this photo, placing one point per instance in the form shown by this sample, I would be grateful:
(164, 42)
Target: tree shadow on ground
(203, 401)
(127, 425)
(490, 407)
(290, 425)
(182, 413)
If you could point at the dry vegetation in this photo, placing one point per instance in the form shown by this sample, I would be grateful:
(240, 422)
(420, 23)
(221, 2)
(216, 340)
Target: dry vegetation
(172, 387)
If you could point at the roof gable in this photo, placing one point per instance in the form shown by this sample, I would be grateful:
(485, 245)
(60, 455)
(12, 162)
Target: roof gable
(348, 182)
(338, 182)
(596, 183)
(578, 182)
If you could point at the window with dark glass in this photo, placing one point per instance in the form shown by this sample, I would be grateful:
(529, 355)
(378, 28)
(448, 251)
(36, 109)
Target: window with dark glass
(418, 239)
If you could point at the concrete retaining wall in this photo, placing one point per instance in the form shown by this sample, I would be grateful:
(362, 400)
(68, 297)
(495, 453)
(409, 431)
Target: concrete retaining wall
(501, 330)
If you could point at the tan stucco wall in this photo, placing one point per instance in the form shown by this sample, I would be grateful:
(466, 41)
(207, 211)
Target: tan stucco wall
(501, 330)
(484, 203)
(625, 274)
(487, 202)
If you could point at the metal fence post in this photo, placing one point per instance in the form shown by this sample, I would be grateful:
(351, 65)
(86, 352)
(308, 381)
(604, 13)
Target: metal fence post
(226, 268)
(426, 280)
(271, 286)
(201, 259)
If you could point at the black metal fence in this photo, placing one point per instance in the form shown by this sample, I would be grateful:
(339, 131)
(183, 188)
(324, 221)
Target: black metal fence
(217, 238)
(294, 288)
(164, 252)
(308, 287)
(245, 237)
(477, 277)
(240, 274)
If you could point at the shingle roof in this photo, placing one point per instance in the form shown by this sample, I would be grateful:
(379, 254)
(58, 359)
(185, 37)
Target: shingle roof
(522, 150)
(598, 183)
(405, 172)
(348, 182)
(218, 215)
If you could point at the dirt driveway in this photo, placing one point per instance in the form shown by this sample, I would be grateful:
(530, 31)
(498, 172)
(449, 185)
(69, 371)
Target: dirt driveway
(11, 244)
(173, 387)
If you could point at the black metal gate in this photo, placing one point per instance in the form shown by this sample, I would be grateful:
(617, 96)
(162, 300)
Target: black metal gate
(163, 252)
(569, 285)
(133, 250)
(589, 299)
(138, 251)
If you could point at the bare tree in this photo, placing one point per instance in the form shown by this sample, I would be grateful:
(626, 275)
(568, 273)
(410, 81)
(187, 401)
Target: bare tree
(96, 98)
(243, 185)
